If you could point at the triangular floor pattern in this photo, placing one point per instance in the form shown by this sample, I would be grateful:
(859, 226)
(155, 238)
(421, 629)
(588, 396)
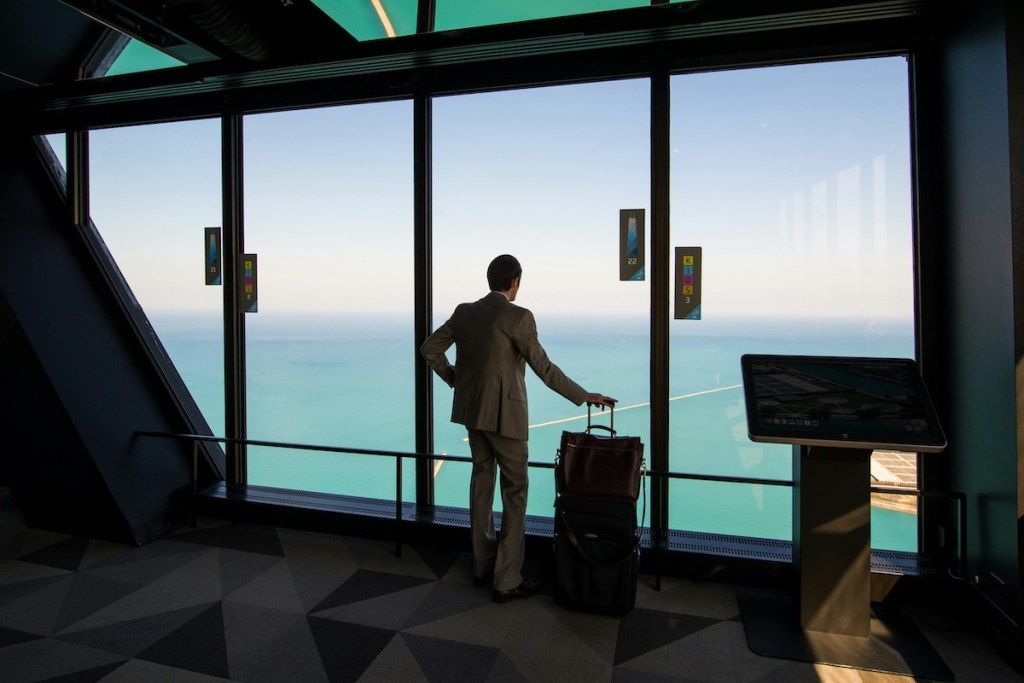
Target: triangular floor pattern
(238, 602)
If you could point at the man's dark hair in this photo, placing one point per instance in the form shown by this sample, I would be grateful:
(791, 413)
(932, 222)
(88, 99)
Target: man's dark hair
(502, 271)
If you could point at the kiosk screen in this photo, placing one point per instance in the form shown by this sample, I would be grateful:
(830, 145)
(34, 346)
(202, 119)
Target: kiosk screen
(836, 401)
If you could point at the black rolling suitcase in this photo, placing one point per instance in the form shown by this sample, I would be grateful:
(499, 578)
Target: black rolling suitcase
(597, 540)
(596, 555)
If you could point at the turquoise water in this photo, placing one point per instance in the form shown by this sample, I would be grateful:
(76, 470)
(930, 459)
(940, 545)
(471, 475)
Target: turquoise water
(347, 381)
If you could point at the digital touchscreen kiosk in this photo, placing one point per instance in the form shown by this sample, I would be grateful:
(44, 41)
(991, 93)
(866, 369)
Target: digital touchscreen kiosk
(836, 401)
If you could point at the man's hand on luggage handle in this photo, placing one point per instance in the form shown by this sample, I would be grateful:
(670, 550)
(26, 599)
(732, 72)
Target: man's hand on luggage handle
(601, 400)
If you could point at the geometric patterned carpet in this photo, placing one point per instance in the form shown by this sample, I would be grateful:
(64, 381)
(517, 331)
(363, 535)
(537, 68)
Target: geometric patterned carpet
(256, 603)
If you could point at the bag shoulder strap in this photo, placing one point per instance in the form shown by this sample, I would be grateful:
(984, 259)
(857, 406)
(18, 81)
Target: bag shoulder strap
(638, 534)
(583, 551)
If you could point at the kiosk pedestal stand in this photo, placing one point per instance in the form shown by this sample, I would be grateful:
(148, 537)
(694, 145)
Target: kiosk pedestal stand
(829, 618)
(832, 539)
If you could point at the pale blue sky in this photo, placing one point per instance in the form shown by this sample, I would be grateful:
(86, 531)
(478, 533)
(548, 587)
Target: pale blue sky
(794, 180)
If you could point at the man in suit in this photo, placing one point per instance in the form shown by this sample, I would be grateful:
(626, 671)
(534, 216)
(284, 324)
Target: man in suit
(494, 341)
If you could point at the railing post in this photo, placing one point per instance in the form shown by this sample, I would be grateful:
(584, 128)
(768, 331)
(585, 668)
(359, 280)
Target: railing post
(656, 547)
(195, 483)
(961, 507)
(398, 506)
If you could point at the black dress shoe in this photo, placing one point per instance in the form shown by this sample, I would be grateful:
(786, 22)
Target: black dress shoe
(485, 580)
(524, 590)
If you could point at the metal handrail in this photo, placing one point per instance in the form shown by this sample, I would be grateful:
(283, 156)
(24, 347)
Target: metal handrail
(196, 439)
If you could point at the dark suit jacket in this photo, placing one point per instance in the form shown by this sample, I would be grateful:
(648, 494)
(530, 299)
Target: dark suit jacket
(494, 341)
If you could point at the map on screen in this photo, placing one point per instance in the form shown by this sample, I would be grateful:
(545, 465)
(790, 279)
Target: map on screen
(839, 401)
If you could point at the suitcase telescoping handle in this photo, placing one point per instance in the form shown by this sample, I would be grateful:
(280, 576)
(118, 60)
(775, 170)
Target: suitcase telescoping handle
(591, 426)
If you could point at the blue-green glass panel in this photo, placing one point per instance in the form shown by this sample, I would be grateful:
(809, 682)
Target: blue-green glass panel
(799, 178)
(329, 355)
(137, 56)
(368, 20)
(542, 173)
(58, 143)
(452, 14)
(152, 192)
(761, 511)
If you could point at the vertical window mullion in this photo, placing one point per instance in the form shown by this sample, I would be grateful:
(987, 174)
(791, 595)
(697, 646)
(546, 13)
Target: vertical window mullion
(660, 283)
(234, 319)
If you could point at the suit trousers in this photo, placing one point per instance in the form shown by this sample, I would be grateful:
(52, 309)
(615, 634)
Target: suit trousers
(505, 553)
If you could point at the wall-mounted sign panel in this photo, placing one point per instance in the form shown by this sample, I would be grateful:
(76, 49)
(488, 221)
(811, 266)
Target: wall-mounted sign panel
(247, 283)
(688, 269)
(631, 244)
(211, 244)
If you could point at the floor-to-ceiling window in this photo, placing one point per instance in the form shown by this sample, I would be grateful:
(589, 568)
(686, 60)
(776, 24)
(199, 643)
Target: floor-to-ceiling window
(543, 174)
(153, 191)
(329, 350)
(794, 182)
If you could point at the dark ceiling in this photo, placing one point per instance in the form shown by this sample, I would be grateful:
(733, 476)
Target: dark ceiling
(260, 54)
(47, 41)
(42, 41)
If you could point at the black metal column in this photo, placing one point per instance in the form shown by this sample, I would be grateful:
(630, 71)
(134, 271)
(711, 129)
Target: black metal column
(77, 151)
(234, 319)
(423, 257)
(661, 268)
(426, 10)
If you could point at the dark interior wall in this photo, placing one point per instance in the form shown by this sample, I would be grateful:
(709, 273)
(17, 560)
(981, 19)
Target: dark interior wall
(1015, 87)
(980, 299)
(82, 364)
(43, 459)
